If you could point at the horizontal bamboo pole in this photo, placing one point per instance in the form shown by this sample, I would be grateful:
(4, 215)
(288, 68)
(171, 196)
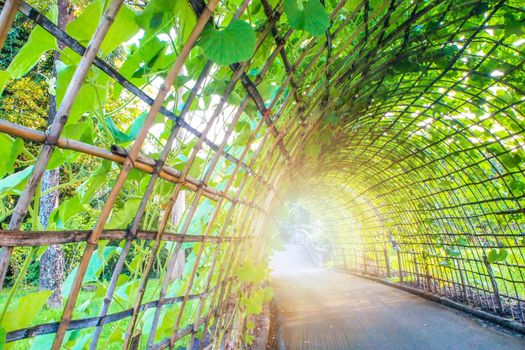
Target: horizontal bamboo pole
(49, 328)
(43, 238)
(117, 155)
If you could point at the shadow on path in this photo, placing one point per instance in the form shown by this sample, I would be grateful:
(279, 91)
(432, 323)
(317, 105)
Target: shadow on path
(324, 309)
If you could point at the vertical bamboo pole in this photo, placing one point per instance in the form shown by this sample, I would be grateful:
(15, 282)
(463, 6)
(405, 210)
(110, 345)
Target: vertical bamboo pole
(400, 266)
(250, 219)
(6, 19)
(416, 270)
(126, 168)
(56, 127)
(387, 262)
(237, 75)
(497, 297)
(142, 207)
(228, 219)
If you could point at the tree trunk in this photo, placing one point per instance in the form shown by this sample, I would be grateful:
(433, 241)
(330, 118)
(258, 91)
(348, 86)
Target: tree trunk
(52, 261)
(176, 216)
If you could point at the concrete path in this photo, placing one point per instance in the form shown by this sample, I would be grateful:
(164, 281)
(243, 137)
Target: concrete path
(322, 309)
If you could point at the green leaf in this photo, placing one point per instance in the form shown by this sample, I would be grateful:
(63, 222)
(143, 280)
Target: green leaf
(79, 132)
(513, 25)
(123, 29)
(16, 182)
(480, 8)
(331, 119)
(309, 15)
(39, 42)
(92, 94)
(66, 210)
(83, 27)
(253, 304)
(313, 150)
(157, 16)
(121, 218)
(267, 293)
(246, 272)
(96, 263)
(10, 149)
(452, 251)
(95, 182)
(517, 185)
(236, 43)
(130, 134)
(496, 256)
(4, 77)
(3, 338)
(445, 263)
(25, 311)
(510, 160)
(248, 339)
(43, 342)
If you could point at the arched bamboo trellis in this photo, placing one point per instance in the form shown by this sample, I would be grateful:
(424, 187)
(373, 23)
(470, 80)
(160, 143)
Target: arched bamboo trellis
(401, 127)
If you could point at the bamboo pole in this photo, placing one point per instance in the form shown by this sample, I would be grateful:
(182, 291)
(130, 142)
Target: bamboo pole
(127, 166)
(74, 45)
(86, 323)
(191, 211)
(6, 19)
(117, 155)
(228, 219)
(55, 129)
(42, 238)
(142, 207)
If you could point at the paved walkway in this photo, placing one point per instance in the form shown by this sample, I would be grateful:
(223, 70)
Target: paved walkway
(321, 309)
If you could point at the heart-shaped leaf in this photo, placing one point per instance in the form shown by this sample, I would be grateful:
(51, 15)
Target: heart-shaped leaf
(309, 15)
(234, 44)
(495, 256)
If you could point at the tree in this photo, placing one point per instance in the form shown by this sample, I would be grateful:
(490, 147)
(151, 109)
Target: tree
(52, 261)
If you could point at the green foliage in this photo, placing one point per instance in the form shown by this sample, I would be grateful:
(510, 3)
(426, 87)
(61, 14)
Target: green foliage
(10, 149)
(39, 42)
(24, 312)
(15, 183)
(4, 76)
(307, 15)
(130, 134)
(233, 44)
(496, 255)
(99, 258)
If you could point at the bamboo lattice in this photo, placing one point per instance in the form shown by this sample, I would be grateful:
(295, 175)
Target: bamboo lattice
(401, 128)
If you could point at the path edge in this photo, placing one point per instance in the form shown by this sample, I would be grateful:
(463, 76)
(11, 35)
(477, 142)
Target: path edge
(505, 322)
